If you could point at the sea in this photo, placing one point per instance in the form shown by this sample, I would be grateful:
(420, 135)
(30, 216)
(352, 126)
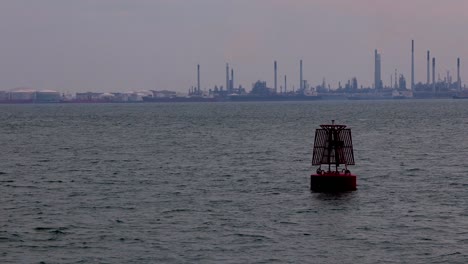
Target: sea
(229, 183)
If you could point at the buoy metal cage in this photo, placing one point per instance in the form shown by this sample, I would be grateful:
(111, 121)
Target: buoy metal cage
(333, 146)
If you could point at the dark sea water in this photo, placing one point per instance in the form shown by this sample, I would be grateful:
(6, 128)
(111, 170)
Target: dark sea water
(229, 183)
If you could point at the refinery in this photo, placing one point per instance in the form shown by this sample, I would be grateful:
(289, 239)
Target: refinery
(398, 88)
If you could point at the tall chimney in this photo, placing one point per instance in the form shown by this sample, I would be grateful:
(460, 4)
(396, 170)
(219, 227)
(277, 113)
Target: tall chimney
(285, 84)
(227, 78)
(428, 68)
(300, 73)
(458, 75)
(412, 65)
(198, 78)
(232, 78)
(377, 72)
(433, 75)
(276, 80)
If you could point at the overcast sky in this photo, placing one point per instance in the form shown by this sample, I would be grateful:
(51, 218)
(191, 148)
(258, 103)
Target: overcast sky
(129, 45)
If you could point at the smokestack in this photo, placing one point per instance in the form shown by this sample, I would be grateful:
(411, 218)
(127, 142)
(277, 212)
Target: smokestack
(198, 77)
(276, 80)
(300, 73)
(285, 84)
(458, 75)
(412, 65)
(227, 78)
(232, 79)
(428, 68)
(377, 72)
(433, 75)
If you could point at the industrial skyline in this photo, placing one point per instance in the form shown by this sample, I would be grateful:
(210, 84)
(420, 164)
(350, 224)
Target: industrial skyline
(378, 82)
(122, 45)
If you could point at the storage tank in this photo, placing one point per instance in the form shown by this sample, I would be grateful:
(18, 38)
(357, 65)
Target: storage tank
(47, 96)
(22, 95)
(107, 97)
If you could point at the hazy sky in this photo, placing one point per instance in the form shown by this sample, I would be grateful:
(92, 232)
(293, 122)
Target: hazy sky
(124, 45)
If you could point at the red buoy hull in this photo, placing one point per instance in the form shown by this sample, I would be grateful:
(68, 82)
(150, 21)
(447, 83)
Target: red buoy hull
(333, 182)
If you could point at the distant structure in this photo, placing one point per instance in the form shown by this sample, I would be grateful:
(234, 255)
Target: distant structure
(301, 81)
(377, 72)
(260, 88)
(428, 68)
(458, 75)
(28, 95)
(354, 84)
(400, 86)
(276, 77)
(227, 79)
(232, 79)
(402, 82)
(433, 76)
(198, 78)
(285, 84)
(412, 65)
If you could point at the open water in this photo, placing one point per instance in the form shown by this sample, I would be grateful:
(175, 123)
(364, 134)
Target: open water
(229, 183)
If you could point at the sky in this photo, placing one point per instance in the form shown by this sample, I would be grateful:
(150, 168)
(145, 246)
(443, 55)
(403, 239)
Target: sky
(133, 45)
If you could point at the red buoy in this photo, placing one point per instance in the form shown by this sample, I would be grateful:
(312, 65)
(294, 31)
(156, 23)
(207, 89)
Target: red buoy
(333, 146)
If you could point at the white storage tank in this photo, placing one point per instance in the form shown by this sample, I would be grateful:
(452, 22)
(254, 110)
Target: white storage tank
(107, 97)
(45, 96)
(23, 95)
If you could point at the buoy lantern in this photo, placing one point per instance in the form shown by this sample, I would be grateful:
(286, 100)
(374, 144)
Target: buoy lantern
(333, 146)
